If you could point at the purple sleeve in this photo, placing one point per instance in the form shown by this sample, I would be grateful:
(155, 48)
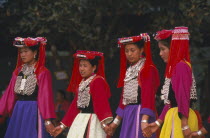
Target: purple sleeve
(164, 111)
(149, 112)
(45, 95)
(120, 112)
(7, 101)
(181, 84)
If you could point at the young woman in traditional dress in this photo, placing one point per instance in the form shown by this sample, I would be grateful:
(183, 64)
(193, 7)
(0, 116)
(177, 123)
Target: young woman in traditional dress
(90, 112)
(140, 82)
(29, 98)
(178, 92)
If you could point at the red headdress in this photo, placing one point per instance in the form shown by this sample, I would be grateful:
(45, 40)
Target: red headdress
(163, 34)
(123, 61)
(179, 48)
(29, 42)
(76, 77)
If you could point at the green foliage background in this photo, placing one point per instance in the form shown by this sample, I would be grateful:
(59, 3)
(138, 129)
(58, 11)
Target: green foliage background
(96, 25)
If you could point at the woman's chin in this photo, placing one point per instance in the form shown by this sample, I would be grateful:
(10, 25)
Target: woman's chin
(83, 76)
(132, 62)
(166, 61)
(24, 62)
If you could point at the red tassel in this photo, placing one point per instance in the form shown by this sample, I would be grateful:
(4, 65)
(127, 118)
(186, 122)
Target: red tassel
(179, 50)
(75, 77)
(19, 63)
(123, 63)
(41, 60)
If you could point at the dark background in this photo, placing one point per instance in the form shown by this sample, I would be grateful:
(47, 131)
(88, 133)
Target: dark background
(95, 25)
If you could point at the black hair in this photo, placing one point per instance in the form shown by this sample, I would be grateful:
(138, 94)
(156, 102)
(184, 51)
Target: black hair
(94, 61)
(35, 48)
(166, 42)
(62, 93)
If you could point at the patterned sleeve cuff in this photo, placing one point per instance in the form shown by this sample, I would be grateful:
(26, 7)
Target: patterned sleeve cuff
(63, 124)
(147, 111)
(120, 112)
(107, 120)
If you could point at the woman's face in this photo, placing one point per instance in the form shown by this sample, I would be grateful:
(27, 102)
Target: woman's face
(164, 52)
(86, 69)
(133, 53)
(27, 55)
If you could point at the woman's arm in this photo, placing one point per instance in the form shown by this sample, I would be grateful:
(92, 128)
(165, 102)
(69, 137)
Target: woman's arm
(181, 84)
(100, 93)
(8, 99)
(149, 83)
(45, 95)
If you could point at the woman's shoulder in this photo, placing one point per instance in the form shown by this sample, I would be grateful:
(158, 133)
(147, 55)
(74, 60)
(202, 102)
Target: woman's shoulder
(183, 64)
(149, 69)
(43, 70)
(98, 78)
(17, 70)
(182, 68)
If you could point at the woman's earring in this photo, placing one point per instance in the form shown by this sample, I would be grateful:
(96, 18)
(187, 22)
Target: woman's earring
(34, 56)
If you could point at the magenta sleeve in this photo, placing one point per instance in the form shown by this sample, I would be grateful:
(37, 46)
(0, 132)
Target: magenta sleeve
(181, 84)
(45, 95)
(164, 111)
(8, 99)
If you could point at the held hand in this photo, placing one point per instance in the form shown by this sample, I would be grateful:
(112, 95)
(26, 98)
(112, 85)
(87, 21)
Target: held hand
(113, 128)
(154, 127)
(57, 131)
(50, 128)
(146, 130)
(187, 133)
(199, 133)
(107, 130)
(194, 134)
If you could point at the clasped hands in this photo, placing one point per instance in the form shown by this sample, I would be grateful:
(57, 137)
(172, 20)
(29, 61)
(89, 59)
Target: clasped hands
(147, 129)
(52, 130)
(110, 129)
